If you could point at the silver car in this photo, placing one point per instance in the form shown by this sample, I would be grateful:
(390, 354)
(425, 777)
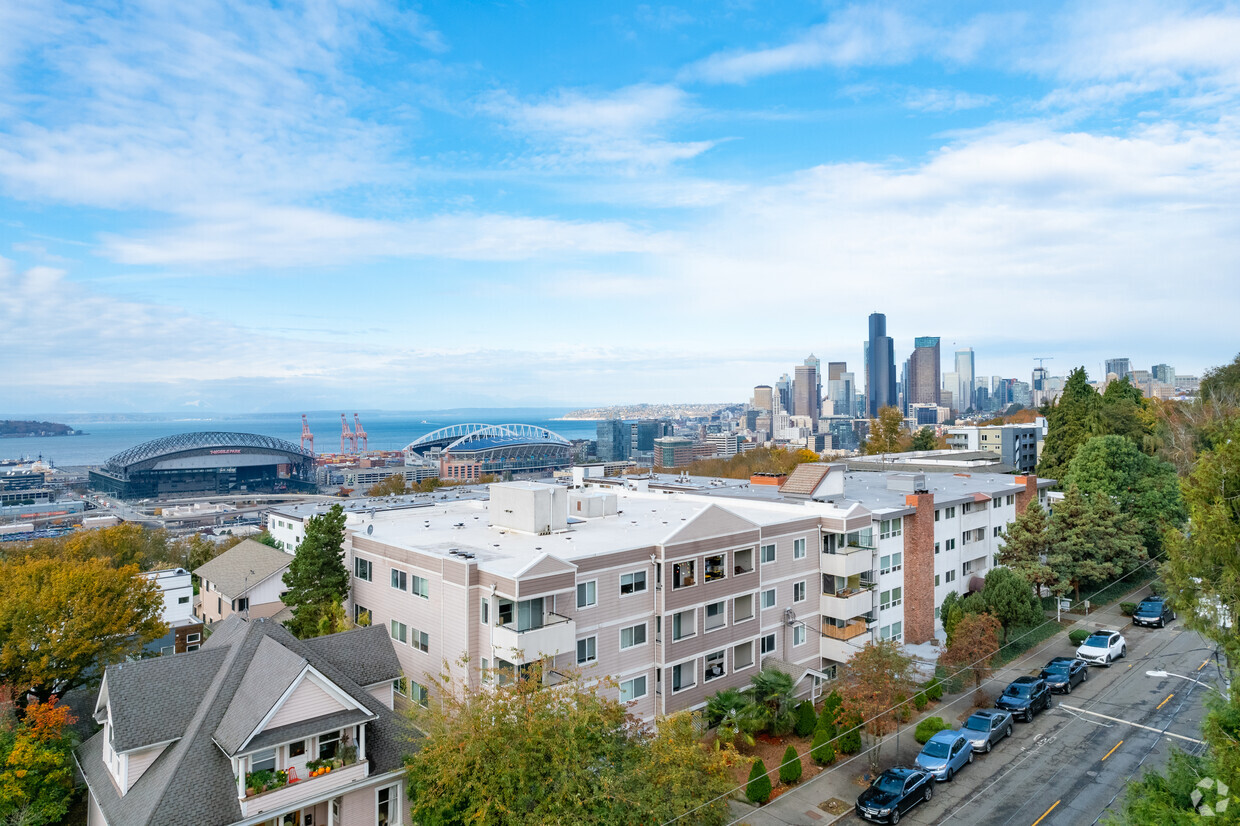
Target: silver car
(986, 727)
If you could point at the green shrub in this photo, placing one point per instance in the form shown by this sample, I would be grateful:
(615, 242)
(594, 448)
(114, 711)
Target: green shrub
(1127, 608)
(920, 701)
(806, 719)
(929, 727)
(934, 689)
(830, 713)
(823, 750)
(758, 789)
(850, 742)
(1077, 636)
(790, 769)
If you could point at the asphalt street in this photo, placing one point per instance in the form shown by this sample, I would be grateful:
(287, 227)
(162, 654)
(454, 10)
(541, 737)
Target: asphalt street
(1071, 762)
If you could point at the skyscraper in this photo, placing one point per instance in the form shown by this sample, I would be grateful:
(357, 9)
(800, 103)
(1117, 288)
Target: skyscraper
(613, 440)
(1163, 373)
(880, 367)
(783, 393)
(805, 393)
(964, 373)
(835, 369)
(1120, 367)
(924, 371)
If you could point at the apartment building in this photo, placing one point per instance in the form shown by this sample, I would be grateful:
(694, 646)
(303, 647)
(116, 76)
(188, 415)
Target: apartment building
(1019, 445)
(675, 592)
(232, 734)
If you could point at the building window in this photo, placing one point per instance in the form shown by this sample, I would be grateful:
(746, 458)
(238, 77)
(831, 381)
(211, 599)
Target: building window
(682, 574)
(884, 600)
(419, 694)
(1011, 499)
(949, 544)
(949, 513)
(328, 744)
(798, 635)
(897, 628)
(401, 686)
(743, 561)
(192, 638)
(399, 580)
(996, 502)
(683, 625)
(485, 611)
(399, 631)
(890, 562)
(362, 568)
(936, 580)
(937, 513)
(742, 656)
(897, 596)
(768, 598)
(768, 644)
(768, 554)
(182, 600)
(387, 806)
(713, 568)
(421, 587)
(998, 530)
(263, 760)
(716, 616)
(297, 749)
(798, 548)
(715, 666)
(361, 615)
(420, 640)
(950, 576)
(936, 547)
(587, 593)
(742, 608)
(632, 636)
(633, 583)
(633, 689)
(798, 591)
(683, 676)
(888, 528)
(587, 650)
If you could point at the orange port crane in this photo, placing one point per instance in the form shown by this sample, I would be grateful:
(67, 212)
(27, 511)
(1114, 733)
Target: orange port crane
(347, 436)
(307, 438)
(358, 433)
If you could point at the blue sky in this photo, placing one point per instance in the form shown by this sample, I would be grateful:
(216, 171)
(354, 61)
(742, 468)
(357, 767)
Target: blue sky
(246, 207)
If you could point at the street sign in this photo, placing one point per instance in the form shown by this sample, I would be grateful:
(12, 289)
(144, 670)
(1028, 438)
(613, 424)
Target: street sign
(1065, 604)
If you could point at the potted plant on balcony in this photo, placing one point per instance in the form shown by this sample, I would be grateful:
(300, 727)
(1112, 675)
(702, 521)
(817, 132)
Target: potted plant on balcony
(348, 751)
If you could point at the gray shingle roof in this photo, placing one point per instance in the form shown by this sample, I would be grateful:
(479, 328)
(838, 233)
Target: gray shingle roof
(272, 670)
(229, 572)
(192, 781)
(151, 715)
(365, 655)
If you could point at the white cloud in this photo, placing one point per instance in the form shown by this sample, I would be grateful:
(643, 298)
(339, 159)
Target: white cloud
(946, 100)
(623, 128)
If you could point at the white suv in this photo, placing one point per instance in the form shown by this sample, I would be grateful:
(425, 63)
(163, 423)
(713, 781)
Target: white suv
(1103, 647)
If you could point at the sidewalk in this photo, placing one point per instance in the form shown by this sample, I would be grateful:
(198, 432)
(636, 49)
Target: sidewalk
(799, 806)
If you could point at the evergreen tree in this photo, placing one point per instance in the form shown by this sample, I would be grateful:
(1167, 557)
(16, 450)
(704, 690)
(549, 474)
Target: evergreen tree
(1009, 599)
(1025, 545)
(1091, 542)
(924, 439)
(758, 789)
(790, 769)
(830, 713)
(806, 719)
(822, 750)
(317, 579)
(1073, 419)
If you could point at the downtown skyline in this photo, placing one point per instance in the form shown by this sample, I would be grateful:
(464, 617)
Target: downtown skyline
(237, 208)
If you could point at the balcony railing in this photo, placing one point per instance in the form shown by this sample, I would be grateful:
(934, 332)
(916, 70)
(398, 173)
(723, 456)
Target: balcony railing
(556, 635)
(549, 618)
(852, 629)
(290, 795)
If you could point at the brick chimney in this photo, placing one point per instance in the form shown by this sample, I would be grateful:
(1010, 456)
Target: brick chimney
(919, 569)
(1029, 494)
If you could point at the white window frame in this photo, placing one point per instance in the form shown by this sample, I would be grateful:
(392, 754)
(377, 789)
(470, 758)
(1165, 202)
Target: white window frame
(590, 657)
(633, 589)
(762, 644)
(736, 614)
(692, 665)
(798, 548)
(721, 659)
(394, 804)
(632, 682)
(358, 564)
(633, 628)
(692, 632)
(799, 635)
(771, 593)
(590, 592)
(397, 574)
(423, 590)
(801, 587)
(420, 640)
(766, 548)
(404, 631)
(723, 612)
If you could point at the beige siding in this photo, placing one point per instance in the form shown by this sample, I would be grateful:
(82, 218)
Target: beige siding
(541, 586)
(307, 702)
(383, 693)
(359, 808)
(140, 761)
(94, 815)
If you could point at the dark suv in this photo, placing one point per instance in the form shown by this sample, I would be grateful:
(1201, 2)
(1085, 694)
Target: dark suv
(1024, 697)
(1154, 612)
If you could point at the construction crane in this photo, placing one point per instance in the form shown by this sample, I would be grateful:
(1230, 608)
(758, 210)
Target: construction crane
(1040, 359)
(307, 438)
(347, 436)
(358, 433)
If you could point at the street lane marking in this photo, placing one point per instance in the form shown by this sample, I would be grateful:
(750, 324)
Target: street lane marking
(1203, 664)
(1164, 702)
(1137, 725)
(1044, 814)
(1112, 751)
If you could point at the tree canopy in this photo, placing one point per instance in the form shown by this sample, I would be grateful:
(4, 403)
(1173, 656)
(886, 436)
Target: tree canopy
(1010, 599)
(61, 624)
(317, 579)
(393, 485)
(887, 432)
(974, 642)
(1026, 542)
(522, 753)
(1091, 542)
(878, 678)
(1073, 419)
(924, 439)
(36, 765)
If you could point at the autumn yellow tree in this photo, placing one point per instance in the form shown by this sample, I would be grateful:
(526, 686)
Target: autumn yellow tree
(975, 640)
(393, 485)
(36, 765)
(125, 544)
(61, 624)
(887, 433)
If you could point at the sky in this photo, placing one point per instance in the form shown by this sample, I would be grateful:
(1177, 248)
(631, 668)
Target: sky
(246, 207)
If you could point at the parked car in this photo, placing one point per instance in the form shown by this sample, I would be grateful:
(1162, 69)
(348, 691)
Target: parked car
(1062, 673)
(944, 754)
(893, 793)
(1024, 697)
(1103, 648)
(1154, 612)
(986, 727)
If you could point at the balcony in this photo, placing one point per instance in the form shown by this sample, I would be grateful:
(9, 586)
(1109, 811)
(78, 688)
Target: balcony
(556, 635)
(848, 560)
(841, 651)
(853, 629)
(848, 604)
(310, 788)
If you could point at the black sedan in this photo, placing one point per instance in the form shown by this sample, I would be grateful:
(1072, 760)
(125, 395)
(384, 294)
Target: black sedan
(1154, 612)
(894, 793)
(1024, 697)
(1062, 673)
